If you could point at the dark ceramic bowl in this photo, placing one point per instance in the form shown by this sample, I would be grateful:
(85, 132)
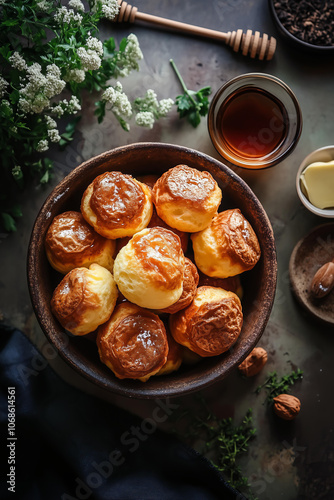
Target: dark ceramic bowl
(295, 42)
(259, 284)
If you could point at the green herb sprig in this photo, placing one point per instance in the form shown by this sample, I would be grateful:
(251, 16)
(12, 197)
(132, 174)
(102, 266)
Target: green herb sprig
(191, 105)
(276, 386)
(222, 442)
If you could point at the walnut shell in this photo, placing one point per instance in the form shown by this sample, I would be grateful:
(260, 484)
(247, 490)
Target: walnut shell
(254, 362)
(286, 406)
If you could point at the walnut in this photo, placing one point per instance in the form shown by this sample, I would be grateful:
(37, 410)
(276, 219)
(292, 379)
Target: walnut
(323, 281)
(254, 362)
(286, 407)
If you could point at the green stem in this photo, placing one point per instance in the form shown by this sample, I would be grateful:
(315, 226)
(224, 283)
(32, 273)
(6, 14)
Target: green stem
(182, 81)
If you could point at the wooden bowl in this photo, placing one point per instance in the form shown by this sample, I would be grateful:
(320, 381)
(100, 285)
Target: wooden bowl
(259, 284)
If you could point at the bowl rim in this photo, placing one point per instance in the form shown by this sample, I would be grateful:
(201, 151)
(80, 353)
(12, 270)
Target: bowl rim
(174, 387)
(322, 212)
(212, 127)
(316, 49)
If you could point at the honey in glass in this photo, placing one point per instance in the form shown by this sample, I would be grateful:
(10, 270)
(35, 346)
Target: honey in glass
(252, 123)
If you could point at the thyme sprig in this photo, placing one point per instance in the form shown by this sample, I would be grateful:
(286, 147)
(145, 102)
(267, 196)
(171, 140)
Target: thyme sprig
(222, 442)
(276, 386)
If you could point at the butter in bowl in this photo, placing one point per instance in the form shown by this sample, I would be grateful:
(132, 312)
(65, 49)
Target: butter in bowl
(315, 182)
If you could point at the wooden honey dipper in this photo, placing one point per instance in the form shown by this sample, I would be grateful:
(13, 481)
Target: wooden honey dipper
(247, 43)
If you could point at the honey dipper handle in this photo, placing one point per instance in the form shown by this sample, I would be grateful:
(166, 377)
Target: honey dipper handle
(187, 28)
(247, 43)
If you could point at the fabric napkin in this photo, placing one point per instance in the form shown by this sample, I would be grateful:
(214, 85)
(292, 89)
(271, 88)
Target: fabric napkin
(61, 443)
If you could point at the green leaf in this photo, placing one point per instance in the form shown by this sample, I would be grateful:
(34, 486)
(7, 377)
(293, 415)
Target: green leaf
(16, 211)
(10, 22)
(100, 110)
(45, 178)
(109, 45)
(8, 222)
(123, 44)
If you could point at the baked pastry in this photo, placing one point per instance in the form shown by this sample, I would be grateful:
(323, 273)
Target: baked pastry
(84, 299)
(157, 221)
(174, 357)
(231, 284)
(190, 282)
(227, 247)
(186, 198)
(133, 343)
(71, 242)
(211, 324)
(149, 269)
(117, 205)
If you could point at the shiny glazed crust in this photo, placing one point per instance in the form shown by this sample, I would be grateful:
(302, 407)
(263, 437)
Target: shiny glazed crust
(157, 221)
(71, 242)
(186, 198)
(190, 282)
(133, 343)
(117, 205)
(174, 358)
(84, 299)
(211, 324)
(227, 247)
(149, 269)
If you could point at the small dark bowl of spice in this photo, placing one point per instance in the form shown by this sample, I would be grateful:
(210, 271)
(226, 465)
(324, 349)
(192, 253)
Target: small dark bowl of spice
(306, 24)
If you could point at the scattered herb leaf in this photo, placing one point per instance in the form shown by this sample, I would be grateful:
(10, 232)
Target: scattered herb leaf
(223, 442)
(276, 386)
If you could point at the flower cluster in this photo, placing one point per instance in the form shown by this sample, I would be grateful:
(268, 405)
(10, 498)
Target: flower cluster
(36, 89)
(119, 103)
(149, 109)
(90, 57)
(68, 16)
(41, 80)
(109, 8)
(127, 60)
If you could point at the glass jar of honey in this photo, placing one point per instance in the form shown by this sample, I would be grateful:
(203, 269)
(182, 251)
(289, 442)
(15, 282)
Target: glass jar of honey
(254, 120)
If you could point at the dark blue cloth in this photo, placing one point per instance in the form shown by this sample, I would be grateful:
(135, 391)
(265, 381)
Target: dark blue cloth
(71, 445)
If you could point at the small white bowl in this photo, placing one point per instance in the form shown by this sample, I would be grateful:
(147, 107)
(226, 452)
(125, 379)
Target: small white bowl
(322, 154)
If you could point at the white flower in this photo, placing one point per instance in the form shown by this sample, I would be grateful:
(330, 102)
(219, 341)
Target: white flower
(129, 58)
(95, 45)
(17, 61)
(54, 135)
(57, 110)
(120, 104)
(17, 172)
(109, 95)
(50, 122)
(74, 105)
(109, 8)
(165, 105)
(71, 107)
(75, 75)
(76, 5)
(43, 145)
(6, 103)
(54, 84)
(145, 119)
(43, 5)
(68, 16)
(89, 58)
(3, 85)
(37, 89)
